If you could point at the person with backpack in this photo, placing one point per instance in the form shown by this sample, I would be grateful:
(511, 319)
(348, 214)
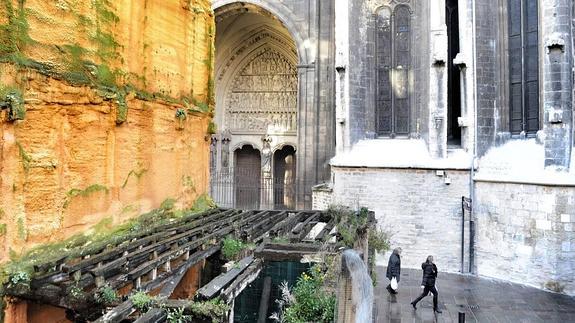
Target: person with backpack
(428, 283)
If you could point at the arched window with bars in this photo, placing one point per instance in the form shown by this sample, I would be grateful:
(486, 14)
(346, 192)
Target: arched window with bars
(393, 63)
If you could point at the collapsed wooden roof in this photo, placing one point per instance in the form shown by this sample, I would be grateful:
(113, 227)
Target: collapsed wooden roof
(160, 257)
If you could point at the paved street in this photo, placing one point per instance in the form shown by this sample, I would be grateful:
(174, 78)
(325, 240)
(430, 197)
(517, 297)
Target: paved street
(482, 300)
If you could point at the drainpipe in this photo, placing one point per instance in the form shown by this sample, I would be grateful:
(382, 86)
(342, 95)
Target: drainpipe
(474, 160)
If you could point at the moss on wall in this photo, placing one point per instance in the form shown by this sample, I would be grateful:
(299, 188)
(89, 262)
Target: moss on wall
(98, 62)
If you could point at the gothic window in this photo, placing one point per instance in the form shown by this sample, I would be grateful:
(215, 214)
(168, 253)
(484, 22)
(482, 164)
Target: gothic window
(393, 60)
(523, 66)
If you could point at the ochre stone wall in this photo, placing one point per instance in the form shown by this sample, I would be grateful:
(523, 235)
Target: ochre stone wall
(102, 82)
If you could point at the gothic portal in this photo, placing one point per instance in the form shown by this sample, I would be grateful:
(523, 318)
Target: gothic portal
(253, 154)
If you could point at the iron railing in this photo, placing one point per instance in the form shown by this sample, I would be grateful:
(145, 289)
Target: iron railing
(251, 190)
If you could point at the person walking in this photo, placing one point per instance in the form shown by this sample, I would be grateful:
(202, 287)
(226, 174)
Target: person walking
(393, 269)
(428, 282)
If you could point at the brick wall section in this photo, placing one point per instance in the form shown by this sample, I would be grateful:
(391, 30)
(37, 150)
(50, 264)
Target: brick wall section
(322, 197)
(525, 239)
(421, 212)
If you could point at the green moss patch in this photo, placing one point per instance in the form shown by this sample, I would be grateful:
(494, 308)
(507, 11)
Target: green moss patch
(13, 99)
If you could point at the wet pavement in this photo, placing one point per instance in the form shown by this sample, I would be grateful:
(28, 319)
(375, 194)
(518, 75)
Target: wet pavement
(482, 300)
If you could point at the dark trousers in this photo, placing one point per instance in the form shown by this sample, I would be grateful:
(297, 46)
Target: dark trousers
(426, 291)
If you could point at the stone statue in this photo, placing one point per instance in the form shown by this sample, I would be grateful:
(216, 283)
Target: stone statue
(289, 190)
(267, 156)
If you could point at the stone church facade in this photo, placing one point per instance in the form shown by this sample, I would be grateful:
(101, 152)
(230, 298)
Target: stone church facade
(451, 119)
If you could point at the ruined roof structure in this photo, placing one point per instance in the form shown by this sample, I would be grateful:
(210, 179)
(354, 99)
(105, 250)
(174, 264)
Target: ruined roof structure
(156, 259)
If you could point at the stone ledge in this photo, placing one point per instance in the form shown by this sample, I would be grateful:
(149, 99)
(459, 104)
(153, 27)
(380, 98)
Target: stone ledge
(399, 153)
(526, 179)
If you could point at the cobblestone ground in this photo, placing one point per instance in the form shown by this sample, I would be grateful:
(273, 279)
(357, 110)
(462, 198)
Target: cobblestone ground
(482, 300)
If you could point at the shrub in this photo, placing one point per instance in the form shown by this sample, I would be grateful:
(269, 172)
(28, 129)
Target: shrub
(141, 301)
(106, 295)
(232, 247)
(308, 301)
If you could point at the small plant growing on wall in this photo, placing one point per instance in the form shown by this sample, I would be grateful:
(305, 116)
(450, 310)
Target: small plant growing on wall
(212, 128)
(12, 100)
(231, 247)
(180, 118)
(122, 107)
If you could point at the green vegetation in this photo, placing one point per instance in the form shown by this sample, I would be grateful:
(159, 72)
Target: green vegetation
(141, 301)
(212, 128)
(214, 309)
(77, 69)
(231, 247)
(2, 229)
(308, 301)
(106, 295)
(168, 204)
(76, 293)
(107, 45)
(87, 191)
(14, 99)
(210, 64)
(177, 315)
(348, 223)
(181, 118)
(351, 228)
(22, 233)
(77, 72)
(203, 106)
(99, 237)
(26, 159)
(378, 240)
(84, 193)
(122, 107)
(281, 239)
(181, 114)
(555, 286)
(202, 203)
(19, 278)
(137, 173)
(14, 36)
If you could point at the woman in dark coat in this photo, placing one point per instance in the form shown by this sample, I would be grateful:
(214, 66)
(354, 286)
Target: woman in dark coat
(394, 268)
(428, 282)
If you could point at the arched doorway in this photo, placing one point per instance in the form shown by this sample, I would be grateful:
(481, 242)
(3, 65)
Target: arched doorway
(247, 177)
(256, 86)
(284, 176)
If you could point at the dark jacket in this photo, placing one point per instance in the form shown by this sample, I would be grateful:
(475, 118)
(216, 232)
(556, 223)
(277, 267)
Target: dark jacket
(393, 266)
(429, 274)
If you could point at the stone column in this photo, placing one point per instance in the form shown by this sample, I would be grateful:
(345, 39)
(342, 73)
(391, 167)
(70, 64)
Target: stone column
(438, 81)
(465, 62)
(557, 82)
(342, 142)
(306, 140)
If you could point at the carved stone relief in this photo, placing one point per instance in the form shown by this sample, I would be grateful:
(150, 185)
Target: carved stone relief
(263, 96)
